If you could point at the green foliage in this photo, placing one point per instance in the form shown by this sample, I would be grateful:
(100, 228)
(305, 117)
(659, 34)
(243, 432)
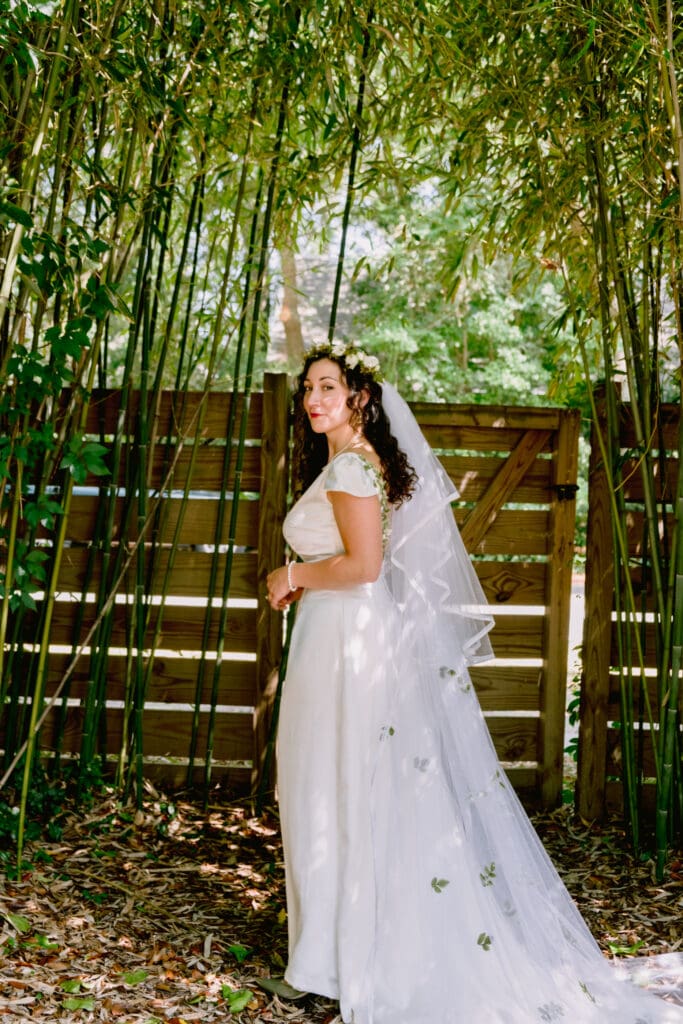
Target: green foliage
(45, 804)
(237, 999)
(83, 457)
(474, 332)
(239, 952)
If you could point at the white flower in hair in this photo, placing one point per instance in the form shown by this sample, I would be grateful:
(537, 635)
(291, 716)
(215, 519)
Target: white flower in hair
(353, 357)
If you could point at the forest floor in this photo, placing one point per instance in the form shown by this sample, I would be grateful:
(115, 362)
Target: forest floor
(171, 915)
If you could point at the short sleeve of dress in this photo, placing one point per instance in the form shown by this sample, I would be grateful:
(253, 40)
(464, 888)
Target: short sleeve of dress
(353, 475)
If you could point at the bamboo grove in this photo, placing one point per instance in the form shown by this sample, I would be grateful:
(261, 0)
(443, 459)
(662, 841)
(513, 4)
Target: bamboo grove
(154, 156)
(583, 158)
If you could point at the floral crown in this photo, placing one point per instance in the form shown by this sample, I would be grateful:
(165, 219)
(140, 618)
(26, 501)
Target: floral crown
(353, 357)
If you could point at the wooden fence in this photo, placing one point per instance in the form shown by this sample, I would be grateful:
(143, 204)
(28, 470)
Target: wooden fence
(516, 472)
(187, 648)
(515, 469)
(599, 780)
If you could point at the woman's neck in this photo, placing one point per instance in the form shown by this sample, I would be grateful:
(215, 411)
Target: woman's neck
(336, 447)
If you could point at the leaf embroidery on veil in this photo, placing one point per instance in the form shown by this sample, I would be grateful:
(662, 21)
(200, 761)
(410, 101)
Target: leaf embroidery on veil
(463, 682)
(488, 874)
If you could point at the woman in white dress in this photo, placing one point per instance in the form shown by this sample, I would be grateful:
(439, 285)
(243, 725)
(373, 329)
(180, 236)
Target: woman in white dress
(417, 890)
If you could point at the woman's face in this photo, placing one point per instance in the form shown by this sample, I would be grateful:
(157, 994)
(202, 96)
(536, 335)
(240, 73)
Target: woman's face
(325, 396)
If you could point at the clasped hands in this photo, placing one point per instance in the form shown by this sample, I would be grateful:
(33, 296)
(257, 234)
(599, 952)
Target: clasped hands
(278, 592)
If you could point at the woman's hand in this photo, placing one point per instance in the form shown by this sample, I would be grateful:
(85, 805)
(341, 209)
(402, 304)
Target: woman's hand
(279, 594)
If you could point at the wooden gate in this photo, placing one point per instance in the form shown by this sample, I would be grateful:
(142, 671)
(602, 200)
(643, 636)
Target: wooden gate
(515, 469)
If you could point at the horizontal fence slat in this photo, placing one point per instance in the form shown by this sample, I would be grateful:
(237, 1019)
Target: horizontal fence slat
(513, 636)
(189, 576)
(513, 532)
(525, 781)
(171, 773)
(198, 525)
(445, 437)
(665, 485)
(181, 626)
(207, 469)
(651, 682)
(171, 776)
(614, 797)
(502, 688)
(515, 739)
(635, 530)
(648, 639)
(166, 733)
(172, 680)
(472, 475)
(614, 758)
(519, 417)
(668, 418)
(509, 583)
(178, 413)
(518, 636)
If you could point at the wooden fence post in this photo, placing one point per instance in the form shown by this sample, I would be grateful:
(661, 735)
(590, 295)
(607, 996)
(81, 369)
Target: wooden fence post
(559, 590)
(597, 629)
(271, 553)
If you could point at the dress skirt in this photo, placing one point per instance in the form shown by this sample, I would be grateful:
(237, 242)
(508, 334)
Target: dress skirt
(417, 890)
(334, 708)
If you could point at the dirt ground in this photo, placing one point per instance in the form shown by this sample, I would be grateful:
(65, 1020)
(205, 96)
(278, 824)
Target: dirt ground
(173, 914)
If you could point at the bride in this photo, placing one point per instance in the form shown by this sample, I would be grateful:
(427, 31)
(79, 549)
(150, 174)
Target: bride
(417, 889)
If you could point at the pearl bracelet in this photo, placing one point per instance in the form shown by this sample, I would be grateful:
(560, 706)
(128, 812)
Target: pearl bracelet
(292, 585)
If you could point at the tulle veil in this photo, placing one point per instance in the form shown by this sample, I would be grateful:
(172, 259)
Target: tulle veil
(474, 923)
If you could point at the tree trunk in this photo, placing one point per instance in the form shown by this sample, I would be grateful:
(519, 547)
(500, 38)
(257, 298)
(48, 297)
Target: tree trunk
(289, 314)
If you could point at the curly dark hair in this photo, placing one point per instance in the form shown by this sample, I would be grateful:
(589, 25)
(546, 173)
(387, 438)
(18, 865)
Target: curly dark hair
(311, 450)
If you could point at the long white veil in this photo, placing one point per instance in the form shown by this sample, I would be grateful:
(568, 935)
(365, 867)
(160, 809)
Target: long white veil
(474, 923)
(430, 573)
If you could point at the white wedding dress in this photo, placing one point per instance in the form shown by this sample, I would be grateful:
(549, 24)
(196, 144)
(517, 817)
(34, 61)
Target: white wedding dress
(417, 889)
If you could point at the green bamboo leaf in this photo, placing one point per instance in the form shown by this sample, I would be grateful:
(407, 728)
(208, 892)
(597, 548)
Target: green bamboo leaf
(12, 212)
(239, 952)
(238, 999)
(279, 987)
(79, 1003)
(43, 942)
(22, 924)
(135, 977)
(71, 985)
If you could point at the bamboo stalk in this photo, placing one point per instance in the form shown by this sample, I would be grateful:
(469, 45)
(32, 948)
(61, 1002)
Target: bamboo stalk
(218, 536)
(351, 181)
(39, 689)
(9, 572)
